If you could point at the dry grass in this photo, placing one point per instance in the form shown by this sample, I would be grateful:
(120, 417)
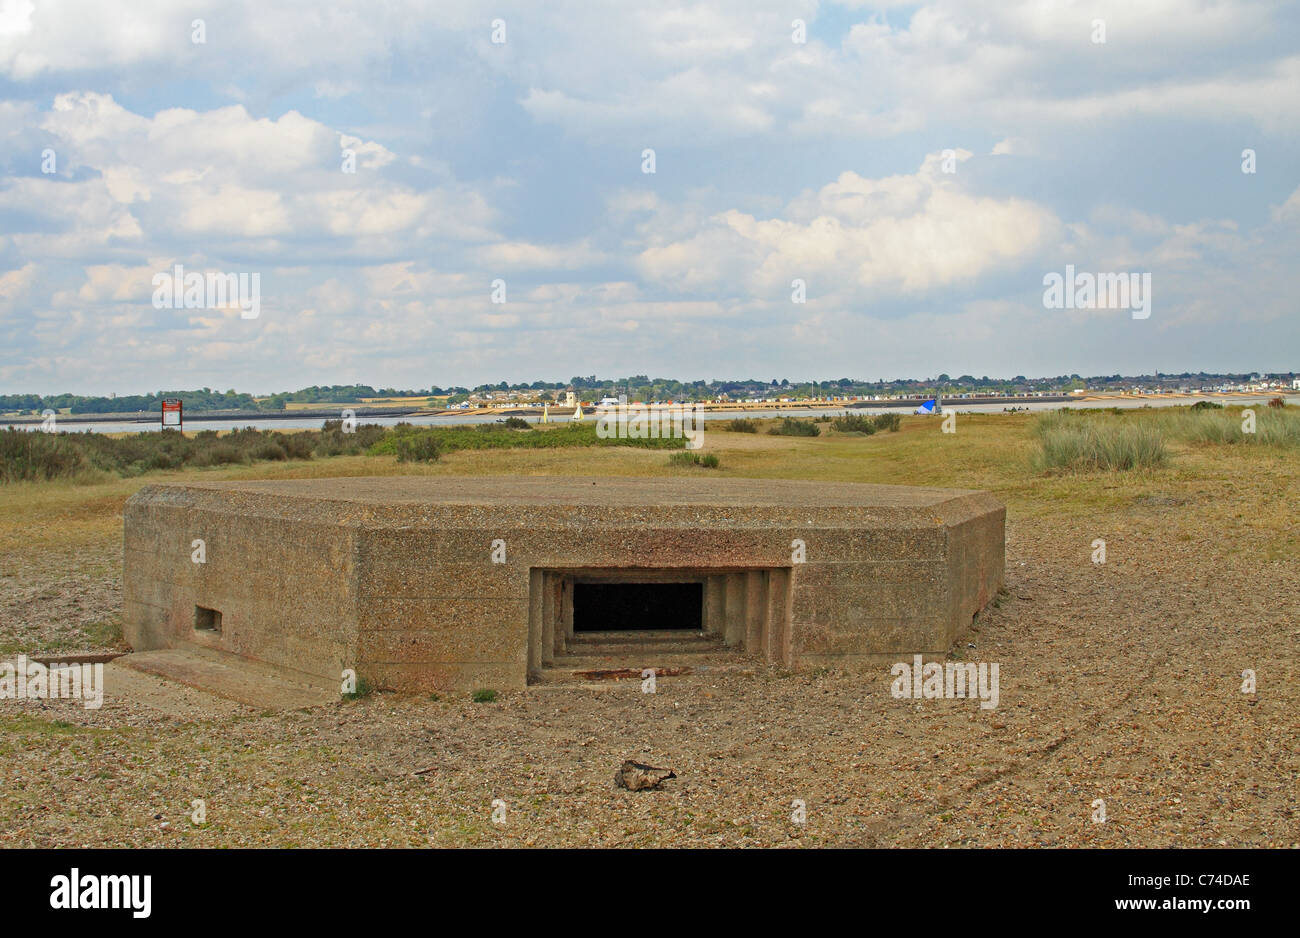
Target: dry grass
(993, 451)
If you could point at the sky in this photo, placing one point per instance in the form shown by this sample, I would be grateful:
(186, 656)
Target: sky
(865, 190)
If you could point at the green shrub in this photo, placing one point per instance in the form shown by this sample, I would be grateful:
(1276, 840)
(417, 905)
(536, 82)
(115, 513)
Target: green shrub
(516, 423)
(418, 448)
(295, 445)
(218, 454)
(687, 458)
(1205, 405)
(27, 455)
(333, 440)
(33, 455)
(270, 450)
(742, 425)
(484, 696)
(890, 422)
(791, 427)
(563, 435)
(854, 423)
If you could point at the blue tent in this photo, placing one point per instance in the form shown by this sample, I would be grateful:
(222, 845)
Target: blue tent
(927, 408)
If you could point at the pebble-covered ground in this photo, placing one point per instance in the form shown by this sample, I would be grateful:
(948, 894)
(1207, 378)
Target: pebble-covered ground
(1119, 683)
(1113, 686)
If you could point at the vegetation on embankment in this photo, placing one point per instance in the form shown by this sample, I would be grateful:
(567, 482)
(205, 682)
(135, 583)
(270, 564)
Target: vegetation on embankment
(33, 456)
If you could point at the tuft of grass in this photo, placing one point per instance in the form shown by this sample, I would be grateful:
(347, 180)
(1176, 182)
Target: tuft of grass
(106, 633)
(484, 696)
(1075, 443)
(687, 458)
(789, 426)
(741, 425)
(25, 724)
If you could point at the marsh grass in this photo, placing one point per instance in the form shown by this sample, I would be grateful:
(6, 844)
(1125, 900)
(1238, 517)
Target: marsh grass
(1137, 438)
(1274, 426)
(1073, 442)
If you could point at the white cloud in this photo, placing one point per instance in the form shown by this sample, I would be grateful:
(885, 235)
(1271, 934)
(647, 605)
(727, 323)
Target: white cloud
(229, 178)
(855, 236)
(466, 154)
(516, 255)
(14, 284)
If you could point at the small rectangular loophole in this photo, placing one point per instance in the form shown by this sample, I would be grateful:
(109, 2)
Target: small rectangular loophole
(207, 620)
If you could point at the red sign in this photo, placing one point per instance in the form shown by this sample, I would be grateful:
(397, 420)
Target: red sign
(171, 414)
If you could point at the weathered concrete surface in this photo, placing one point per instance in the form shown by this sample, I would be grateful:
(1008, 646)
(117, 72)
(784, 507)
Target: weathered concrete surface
(395, 578)
(239, 679)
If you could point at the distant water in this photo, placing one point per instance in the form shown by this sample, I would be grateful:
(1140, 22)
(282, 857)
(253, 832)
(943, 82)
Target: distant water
(451, 420)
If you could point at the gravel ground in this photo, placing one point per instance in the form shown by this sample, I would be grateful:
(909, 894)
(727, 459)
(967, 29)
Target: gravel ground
(1119, 682)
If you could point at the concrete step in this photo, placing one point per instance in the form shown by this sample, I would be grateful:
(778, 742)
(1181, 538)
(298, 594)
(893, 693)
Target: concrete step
(232, 678)
(623, 644)
(579, 670)
(643, 637)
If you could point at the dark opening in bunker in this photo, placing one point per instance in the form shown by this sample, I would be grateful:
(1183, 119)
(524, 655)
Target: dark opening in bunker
(629, 607)
(207, 620)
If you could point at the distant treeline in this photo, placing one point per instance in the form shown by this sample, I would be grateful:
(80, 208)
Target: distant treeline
(637, 387)
(204, 399)
(645, 388)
